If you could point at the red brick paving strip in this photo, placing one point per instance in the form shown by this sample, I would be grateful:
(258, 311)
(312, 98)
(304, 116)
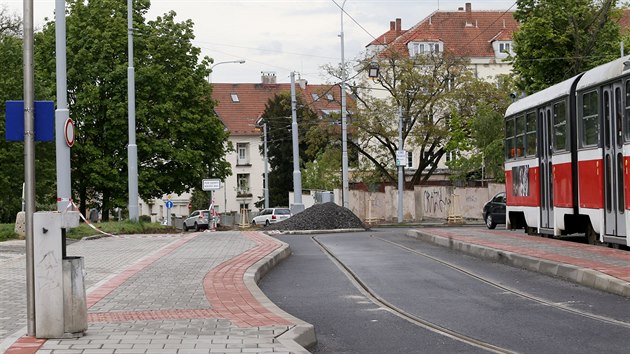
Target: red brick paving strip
(224, 288)
(102, 291)
(25, 345)
(228, 294)
(618, 272)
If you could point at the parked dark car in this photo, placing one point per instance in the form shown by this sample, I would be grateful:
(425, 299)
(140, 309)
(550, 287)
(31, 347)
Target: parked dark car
(494, 211)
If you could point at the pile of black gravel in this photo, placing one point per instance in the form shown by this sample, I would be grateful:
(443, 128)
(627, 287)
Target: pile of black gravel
(327, 216)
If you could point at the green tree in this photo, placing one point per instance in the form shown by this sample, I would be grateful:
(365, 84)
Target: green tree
(180, 140)
(476, 137)
(12, 153)
(558, 39)
(277, 115)
(420, 88)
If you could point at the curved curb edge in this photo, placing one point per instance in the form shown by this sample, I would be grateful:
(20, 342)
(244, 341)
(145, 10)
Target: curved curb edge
(572, 273)
(302, 334)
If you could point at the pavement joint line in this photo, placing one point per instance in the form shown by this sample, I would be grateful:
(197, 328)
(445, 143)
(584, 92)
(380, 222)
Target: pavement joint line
(544, 262)
(238, 275)
(97, 294)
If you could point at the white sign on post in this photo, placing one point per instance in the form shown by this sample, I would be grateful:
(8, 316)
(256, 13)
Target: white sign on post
(401, 158)
(211, 184)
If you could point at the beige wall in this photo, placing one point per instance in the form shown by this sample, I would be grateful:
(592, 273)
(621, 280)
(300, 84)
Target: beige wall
(422, 203)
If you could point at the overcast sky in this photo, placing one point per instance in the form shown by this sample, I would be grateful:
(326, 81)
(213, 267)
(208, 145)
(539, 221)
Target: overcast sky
(284, 35)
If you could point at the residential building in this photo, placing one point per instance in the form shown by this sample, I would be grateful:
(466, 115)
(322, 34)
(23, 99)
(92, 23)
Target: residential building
(484, 38)
(240, 107)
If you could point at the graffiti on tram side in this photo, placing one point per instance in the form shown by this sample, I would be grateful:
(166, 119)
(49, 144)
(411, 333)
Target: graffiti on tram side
(436, 201)
(520, 181)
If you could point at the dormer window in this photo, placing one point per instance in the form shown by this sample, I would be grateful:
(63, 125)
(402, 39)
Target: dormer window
(315, 96)
(502, 48)
(235, 98)
(330, 97)
(416, 48)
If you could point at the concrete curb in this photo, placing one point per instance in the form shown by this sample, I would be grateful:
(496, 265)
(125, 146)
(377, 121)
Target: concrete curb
(311, 232)
(572, 273)
(302, 334)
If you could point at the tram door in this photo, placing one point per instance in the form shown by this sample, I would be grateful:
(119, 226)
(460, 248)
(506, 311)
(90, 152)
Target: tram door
(614, 201)
(545, 124)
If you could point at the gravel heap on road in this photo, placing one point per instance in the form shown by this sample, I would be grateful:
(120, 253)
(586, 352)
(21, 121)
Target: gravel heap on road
(327, 216)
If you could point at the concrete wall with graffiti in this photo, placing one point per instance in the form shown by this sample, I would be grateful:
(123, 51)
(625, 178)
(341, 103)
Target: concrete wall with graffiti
(424, 202)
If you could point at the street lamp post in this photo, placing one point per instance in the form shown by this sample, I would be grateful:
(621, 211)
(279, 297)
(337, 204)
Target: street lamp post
(132, 148)
(224, 62)
(344, 128)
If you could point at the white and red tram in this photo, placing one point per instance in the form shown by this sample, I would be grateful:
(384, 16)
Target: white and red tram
(567, 154)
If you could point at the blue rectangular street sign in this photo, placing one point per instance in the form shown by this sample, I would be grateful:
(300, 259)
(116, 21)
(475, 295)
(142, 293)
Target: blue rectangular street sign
(44, 121)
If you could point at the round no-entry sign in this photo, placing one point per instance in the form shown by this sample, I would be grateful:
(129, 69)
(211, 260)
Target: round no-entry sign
(68, 130)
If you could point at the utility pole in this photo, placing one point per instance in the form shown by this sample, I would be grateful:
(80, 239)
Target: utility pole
(344, 123)
(297, 175)
(266, 185)
(29, 162)
(62, 150)
(132, 148)
(401, 168)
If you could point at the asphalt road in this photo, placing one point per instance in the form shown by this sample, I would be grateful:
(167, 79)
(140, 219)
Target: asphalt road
(310, 286)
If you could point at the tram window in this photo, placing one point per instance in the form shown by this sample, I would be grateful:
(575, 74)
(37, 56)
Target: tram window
(509, 138)
(519, 138)
(627, 118)
(618, 118)
(531, 134)
(590, 119)
(560, 126)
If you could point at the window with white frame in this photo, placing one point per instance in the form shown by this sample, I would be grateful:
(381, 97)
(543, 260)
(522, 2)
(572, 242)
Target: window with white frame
(242, 180)
(242, 149)
(503, 48)
(416, 48)
(234, 98)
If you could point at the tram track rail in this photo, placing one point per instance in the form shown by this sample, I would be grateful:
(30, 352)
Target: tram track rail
(388, 306)
(436, 328)
(510, 290)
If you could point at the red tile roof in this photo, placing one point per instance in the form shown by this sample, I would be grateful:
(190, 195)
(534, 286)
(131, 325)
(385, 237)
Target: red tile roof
(395, 30)
(465, 32)
(240, 117)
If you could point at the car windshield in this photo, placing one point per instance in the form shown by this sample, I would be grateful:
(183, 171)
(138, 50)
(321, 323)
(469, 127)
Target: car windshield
(283, 212)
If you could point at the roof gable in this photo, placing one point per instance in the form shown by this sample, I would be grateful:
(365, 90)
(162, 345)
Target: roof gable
(240, 117)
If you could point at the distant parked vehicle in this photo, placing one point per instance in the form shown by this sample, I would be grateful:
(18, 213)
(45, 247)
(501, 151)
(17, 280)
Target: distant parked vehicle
(271, 216)
(197, 220)
(494, 211)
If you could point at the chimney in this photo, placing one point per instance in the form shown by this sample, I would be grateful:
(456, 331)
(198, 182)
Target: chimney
(302, 83)
(392, 25)
(268, 77)
(469, 22)
(398, 26)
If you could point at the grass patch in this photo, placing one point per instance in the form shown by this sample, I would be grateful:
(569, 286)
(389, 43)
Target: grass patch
(112, 227)
(119, 228)
(7, 232)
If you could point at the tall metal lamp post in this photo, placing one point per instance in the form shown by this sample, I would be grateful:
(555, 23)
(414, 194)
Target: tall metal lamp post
(132, 148)
(344, 127)
(224, 62)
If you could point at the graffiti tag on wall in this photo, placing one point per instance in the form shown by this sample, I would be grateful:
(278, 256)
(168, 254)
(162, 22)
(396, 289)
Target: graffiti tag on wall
(436, 201)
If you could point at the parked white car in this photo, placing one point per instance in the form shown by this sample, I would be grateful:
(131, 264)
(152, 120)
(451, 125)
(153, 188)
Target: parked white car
(197, 220)
(271, 216)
